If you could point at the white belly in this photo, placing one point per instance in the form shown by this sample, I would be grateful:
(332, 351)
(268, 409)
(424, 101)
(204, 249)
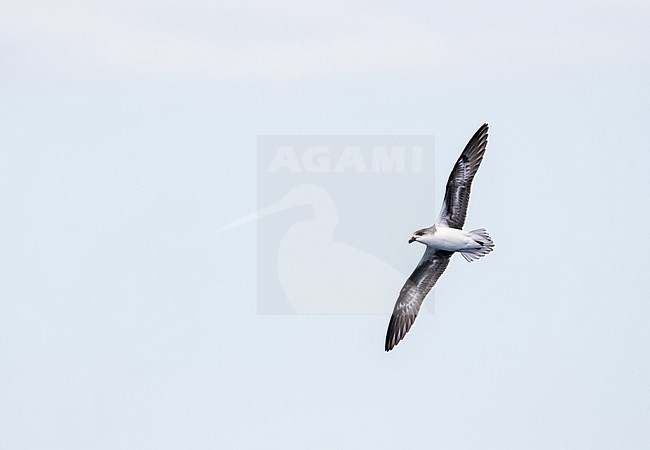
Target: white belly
(449, 239)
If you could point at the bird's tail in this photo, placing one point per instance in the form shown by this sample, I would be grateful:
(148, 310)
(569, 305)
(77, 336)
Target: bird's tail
(483, 239)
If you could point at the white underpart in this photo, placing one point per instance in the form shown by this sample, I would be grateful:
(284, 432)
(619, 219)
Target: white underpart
(449, 239)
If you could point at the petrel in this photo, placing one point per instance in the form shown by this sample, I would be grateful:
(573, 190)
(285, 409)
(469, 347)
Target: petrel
(443, 239)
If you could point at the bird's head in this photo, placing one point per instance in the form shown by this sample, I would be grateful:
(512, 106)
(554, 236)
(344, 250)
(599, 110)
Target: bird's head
(418, 234)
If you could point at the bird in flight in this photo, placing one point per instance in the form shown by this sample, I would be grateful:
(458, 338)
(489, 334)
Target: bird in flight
(442, 240)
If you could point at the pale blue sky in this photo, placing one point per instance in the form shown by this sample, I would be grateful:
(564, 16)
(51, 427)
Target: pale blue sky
(127, 138)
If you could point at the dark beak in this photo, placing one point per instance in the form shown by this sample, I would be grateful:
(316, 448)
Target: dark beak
(411, 240)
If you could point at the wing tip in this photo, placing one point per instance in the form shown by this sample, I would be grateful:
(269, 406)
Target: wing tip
(398, 327)
(390, 335)
(391, 342)
(481, 133)
(483, 130)
(478, 143)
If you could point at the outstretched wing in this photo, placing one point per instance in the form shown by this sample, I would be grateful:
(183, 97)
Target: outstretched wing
(416, 288)
(454, 207)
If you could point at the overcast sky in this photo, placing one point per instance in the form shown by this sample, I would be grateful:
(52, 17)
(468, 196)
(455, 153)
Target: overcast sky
(128, 139)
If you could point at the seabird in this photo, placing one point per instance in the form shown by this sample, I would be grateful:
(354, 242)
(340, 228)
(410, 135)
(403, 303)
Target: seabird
(443, 239)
